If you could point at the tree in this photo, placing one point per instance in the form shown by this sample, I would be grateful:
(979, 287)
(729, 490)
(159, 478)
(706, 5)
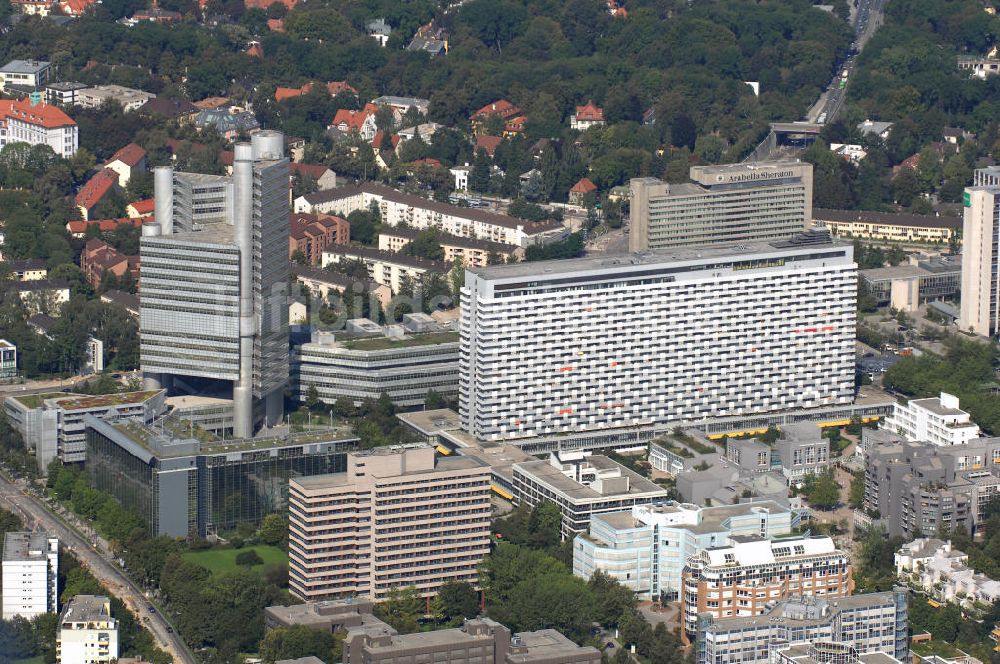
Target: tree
(300, 641)
(433, 401)
(402, 609)
(612, 599)
(857, 493)
(457, 276)
(248, 558)
(425, 245)
(479, 175)
(824, 492)
(273, 529)
(459, 600)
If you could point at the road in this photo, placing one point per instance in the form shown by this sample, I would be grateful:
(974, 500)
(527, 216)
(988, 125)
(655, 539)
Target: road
(867, 19)
(35, 514)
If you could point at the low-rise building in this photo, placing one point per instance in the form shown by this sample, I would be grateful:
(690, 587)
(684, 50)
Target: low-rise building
(750, 575)
(888, 227)
(52, 425)
(479, 641)
(8, 360)
(942, 572)
(42, 295)
(398, 517)
(63, 93)
(128, 301)
(906, 287)
(402, 104)
(587, 116)
(310, 234)
(396, 271)
(875, 128)
(676, 454)
(470, 251)
(401, 209)
(582, 485)
(78, 227)
(128, 160)
(24, 74)
(30, 575)
(867, 623)
(330, 615)
(321, 283)
(979, 67)
(936, 420)
(646, 549)
(87, 633)
(99, 261)
(34, 7)
(93, 192)
(801, 451)
(404, 362)
(28, 269)
(99, 95)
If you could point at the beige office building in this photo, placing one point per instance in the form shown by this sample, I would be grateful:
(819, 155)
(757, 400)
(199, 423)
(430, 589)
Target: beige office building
(980, 229)
(398, 518)
(761, 201)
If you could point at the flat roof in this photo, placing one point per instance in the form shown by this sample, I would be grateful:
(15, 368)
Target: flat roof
(217, 233)
(409, 340)
(545, 472)
(25, 546)
(895, 272)
(933, 404)
(734, 251)
(430, 422)
(77, 402)
(84, 608)
(440, 464)
(544, 645)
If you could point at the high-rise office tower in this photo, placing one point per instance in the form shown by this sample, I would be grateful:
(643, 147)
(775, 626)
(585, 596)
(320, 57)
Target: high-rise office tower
(214, 276)
(980, 236)
(752, 202)
(658, 337)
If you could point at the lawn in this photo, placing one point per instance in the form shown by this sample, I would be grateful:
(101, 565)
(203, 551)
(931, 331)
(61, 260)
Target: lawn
(224, 560)
(30, 660)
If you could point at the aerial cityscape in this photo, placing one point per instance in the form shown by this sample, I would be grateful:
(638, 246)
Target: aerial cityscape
(500, 331)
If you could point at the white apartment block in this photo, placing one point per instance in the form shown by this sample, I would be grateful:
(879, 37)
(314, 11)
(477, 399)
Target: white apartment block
(646, 549)
(399, 517)
(582, 485)
(867, 624)
(978, 310)
(30, 574)
(935, 420)
(662, 337)
(25, 73)
(87, 633)
(398, 208)
(22, 121)
(743, 579)
(943, 572)
(397, 272)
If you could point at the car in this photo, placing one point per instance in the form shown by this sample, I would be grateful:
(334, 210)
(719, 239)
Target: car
(609, 645)
(152, 609)
(170, 630)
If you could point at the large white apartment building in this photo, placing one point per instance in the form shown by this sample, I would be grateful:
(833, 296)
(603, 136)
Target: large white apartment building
(38, 123)
(645, 549)
(657, 337)
(87, 633)
(746, 577)
(935, 420)
(398, 208)
(30, 574)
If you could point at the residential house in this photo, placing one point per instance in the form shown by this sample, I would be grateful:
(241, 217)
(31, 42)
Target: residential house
(276, 25)
(851, 152)
(78, 227)
(139, 209)
(502, 108)
(154, 15)
(311, 234)
(99, 95)
(255, 50)
(34, 7)
(128, 301)
(28, 269)
(94, 191)
(37, 123)
(167, 109)
(875, 128)
(213, 104)
(99, 258)
(24, 74)
(587, 116)
(979, 67)
(515, 126)
(230, 123)
(430, 39)
(42, 295)
(942, 572)
(323, 176)
(578, 193)
(333, 88)
(130, 159)
(402, 104)
(75, 8)
(955, 135)
(360, 123)
(461, 175)
(488, 144)
(379, 30)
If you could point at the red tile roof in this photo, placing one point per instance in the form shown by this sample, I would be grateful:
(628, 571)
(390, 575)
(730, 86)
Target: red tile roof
(130, 155)
(488, 143)
(144, 206)
(349, 119)
(315, 171)
(275, 25)
(504, 108)
(264, 4)
(75, 7)
(96, 188)
(255, 50)
(589, 113)
(379, 135)
(515, 125)
(336, 87)
(79, 226)
(281, 94)
(427, 161)
(584, 186)
(41, 114)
